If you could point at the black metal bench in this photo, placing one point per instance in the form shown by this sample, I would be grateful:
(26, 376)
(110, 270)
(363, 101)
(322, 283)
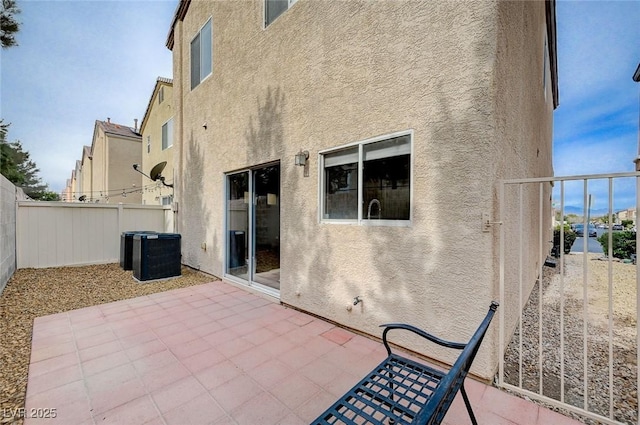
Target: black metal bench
(402, 391)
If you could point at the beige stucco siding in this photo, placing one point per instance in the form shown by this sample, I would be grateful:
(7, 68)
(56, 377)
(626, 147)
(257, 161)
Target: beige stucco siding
(326, 74)
(86, 176)
(122, 154)
(158, 115)
(99, 151)
(524, 116)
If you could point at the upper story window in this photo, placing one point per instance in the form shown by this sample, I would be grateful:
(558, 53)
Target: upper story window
(201, 54)
(148, 144)
(368, 182)
(275, 8)
(161, 95)
(167, 134)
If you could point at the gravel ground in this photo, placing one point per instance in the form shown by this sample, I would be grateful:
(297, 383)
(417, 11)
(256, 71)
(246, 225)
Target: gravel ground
(623, 350)
(31, 293)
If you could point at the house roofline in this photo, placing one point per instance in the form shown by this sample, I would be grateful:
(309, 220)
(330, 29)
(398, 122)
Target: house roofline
(550, 6)
(181, 12)
(160, 81)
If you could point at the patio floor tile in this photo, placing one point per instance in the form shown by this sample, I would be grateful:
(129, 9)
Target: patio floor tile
(214, 354)
(218, 374)
(177, 393)
(262, 409)
(103, 400)
(135, 412)
(236, 392)
(202, 410)
(55, 378)
(52, 364)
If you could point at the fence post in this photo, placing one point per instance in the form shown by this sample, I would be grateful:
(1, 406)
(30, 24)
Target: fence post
(120, 218)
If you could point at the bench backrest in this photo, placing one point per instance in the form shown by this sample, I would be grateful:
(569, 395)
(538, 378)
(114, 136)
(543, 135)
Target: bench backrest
(441, 399)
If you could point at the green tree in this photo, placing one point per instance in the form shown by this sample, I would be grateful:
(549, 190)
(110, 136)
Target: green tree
(9, 26)
(16, 165)
(627, 224)
(49, 196)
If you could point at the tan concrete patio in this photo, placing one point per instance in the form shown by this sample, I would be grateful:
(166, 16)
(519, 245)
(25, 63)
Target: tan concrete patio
(213, 354)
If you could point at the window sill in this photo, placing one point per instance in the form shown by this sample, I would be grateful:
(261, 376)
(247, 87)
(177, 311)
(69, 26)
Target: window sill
(370, 223)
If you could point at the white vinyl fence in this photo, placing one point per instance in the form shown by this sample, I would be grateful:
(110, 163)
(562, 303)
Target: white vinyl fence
(54, 234)
(9, 196)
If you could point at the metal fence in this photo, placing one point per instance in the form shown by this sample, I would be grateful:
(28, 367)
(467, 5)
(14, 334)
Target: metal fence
(569, 334)
(53, 234)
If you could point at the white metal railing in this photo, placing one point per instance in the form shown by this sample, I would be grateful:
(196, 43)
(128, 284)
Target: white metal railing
(568, 334)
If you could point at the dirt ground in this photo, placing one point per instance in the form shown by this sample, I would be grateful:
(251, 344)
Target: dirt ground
(622, 289)
(32, 293)
(563, 319)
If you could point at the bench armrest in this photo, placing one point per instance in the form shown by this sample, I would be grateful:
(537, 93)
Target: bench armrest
(418, 331)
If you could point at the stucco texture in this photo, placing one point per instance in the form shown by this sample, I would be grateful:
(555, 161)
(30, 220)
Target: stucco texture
(326, 74)
(158, 115)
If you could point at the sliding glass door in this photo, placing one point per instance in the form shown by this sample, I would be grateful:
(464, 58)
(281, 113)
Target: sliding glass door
(253, 227)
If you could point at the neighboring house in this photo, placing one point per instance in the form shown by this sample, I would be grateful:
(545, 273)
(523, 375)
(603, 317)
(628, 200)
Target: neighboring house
(157, 143)
(66, 195)
(85, 176)
(628, 214)
(406, 116)
(106, 171)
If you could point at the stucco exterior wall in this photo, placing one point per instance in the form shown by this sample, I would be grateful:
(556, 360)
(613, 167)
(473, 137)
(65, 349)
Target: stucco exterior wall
(326, 74)
(86, 176)
(524, 118)
(120, 177)
(99, 160)
(158, 115)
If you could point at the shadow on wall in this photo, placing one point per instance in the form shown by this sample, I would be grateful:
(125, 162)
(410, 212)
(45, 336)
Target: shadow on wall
(265, 141)
(196, 219)
(413, 270)
(265, 132)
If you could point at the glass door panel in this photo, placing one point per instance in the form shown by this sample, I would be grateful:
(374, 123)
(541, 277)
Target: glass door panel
(266, 226)
(238, 202)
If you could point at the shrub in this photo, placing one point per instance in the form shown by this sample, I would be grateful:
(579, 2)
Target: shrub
(569, 239)
(627, 224)
(624, 243)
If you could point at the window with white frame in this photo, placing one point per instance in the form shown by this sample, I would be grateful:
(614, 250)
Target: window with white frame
(148, 144)
(201, 55)
(275, 8)
(167, 134)
(368, 182)
(161, 95)
(166, 200)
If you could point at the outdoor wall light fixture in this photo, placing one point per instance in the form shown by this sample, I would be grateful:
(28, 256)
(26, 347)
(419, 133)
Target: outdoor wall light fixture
(302, 159)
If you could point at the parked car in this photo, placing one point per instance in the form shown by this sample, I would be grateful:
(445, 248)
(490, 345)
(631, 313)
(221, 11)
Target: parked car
(591, 229)
(617, 227)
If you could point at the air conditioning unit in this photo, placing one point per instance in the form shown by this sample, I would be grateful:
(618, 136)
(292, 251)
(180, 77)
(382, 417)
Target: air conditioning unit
(126, 248)
(156, 256)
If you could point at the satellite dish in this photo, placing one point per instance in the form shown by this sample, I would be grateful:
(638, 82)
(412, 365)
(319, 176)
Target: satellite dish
(156, 171)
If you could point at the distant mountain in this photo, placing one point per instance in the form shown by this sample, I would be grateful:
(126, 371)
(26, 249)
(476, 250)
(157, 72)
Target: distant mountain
(595, 212)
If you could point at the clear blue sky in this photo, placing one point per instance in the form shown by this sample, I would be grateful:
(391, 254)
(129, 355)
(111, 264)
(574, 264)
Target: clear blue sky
(79, 61)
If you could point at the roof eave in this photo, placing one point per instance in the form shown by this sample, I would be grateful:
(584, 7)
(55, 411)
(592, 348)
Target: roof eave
(636, 75)
(550, 6)
(179, 15)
